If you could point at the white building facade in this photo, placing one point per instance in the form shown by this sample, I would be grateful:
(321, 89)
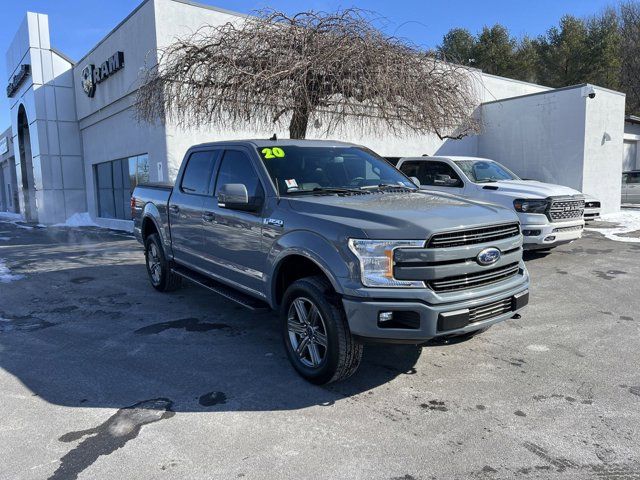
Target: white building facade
(79, 148)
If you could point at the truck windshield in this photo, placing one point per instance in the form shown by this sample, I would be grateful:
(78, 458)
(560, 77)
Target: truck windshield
(484, 171)
(296, 169)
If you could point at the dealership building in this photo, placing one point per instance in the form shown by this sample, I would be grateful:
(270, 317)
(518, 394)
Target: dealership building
(75, 145)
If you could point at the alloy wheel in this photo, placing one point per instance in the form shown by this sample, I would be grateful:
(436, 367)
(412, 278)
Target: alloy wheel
(307, 332)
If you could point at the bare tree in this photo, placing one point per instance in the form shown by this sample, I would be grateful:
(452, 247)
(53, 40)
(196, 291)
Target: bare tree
(325, 68)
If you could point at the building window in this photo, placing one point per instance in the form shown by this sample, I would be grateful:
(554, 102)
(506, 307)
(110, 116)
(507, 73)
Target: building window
(115, 181)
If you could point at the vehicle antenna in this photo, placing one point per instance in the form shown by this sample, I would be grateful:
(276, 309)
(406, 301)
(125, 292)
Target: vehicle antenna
(274, 138)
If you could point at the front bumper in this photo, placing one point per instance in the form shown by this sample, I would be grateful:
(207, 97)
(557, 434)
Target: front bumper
(430, 321)
(546, 235)
(591, 214)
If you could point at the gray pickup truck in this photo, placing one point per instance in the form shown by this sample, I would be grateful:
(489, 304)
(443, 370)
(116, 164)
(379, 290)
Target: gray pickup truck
(345, 246)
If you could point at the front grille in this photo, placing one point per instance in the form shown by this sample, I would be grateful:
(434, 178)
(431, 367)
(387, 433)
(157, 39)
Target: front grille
(473, 236)
(566, 209)
(490, 310)
(567, 229)
(474, 280)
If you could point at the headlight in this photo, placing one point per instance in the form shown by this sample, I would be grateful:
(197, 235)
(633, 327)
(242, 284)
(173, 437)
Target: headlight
(530, 206)
(376, 261)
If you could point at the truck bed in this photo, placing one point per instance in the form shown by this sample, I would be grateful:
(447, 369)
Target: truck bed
(157, 194)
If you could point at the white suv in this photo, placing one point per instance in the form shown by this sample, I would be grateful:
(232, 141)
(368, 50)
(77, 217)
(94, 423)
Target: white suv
(550, 215)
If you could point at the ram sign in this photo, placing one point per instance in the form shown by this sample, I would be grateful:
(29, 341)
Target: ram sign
(92, 75)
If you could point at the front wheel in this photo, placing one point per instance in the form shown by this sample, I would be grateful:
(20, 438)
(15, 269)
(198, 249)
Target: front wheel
(316, 334)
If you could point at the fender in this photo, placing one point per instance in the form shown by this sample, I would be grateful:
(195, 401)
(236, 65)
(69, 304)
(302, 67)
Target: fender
(309, 245)
(150, 211)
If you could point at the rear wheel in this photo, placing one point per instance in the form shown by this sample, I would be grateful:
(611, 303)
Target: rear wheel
(316, 334)
(158, 267)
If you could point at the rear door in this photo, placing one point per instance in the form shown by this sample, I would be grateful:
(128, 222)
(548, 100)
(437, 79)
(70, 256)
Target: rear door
(232, 238)
(185, 207)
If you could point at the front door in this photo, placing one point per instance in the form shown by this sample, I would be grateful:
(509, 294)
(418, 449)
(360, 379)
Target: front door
(186, 207)
(232, 238)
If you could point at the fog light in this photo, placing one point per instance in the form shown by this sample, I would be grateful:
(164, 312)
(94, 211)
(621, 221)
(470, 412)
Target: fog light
(550, 238)
(385, 316)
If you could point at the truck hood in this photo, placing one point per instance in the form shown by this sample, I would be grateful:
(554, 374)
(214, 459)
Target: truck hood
(529, 189)
(407, 215)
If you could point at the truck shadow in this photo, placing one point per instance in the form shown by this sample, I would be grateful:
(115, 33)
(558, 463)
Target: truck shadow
(83, 328)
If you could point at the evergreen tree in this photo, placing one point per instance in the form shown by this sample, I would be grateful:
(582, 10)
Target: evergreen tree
(458, 46)
(494, 51)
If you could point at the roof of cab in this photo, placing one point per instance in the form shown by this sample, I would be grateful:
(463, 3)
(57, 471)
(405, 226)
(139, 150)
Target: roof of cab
(260, 143)
(454, 158)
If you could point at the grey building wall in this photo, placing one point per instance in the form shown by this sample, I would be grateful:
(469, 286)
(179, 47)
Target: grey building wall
(107, 122)
(8, 184)
(50, 174)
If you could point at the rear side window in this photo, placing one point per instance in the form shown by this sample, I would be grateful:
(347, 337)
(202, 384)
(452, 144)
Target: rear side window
(236, 167)
(197, 173)
(431, 173)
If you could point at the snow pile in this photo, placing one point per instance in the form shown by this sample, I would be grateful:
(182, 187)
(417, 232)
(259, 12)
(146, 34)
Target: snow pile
(5, 274)
(11, 217)
(78, 220)
(628, 221)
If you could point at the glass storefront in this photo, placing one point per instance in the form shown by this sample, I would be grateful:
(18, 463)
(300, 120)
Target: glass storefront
(115, 181)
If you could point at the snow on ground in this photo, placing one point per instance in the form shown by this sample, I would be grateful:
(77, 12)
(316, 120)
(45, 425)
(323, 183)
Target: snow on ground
(628, 221)
(78, 220)
(11, 217)
(5, 274)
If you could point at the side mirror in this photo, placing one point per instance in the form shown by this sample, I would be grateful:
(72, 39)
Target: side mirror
(235, 196)
(445, 181)
(415, 180)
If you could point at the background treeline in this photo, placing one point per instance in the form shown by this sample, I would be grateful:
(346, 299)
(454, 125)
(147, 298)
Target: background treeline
(603, 49)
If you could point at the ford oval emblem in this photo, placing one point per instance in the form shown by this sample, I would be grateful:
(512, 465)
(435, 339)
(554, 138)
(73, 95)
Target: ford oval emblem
(488, 256)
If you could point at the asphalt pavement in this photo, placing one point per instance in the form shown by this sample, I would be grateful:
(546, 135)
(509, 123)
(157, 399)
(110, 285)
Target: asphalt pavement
(103, 377)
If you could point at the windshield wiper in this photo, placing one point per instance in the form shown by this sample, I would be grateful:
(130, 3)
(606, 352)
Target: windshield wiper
(328, 190)
(383, 186)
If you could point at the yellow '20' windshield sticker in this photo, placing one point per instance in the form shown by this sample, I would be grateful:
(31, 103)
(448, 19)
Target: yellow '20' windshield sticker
(275, 152)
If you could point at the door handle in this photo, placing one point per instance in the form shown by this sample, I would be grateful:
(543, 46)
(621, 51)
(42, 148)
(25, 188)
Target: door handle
(208, 216)
(174, 208)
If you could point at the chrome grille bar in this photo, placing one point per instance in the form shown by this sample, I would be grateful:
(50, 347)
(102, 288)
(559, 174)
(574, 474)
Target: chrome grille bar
(474, 236)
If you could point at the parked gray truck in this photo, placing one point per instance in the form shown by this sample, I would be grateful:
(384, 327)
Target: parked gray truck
(345, 246)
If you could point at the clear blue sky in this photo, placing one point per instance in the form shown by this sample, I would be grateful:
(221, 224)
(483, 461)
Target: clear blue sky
(77, 25)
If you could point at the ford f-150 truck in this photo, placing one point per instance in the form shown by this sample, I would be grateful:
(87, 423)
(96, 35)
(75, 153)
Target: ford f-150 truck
(550, 215)
(345, 246)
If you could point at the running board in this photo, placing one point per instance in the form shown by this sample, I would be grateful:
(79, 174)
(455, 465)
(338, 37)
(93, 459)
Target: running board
(221, 289)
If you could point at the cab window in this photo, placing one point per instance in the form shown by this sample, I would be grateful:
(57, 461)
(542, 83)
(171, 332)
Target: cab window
(195, 180)
(437, 174)
(236, 167)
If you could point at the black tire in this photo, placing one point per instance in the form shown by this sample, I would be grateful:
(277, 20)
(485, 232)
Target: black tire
(161, 278)
(342, 354)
